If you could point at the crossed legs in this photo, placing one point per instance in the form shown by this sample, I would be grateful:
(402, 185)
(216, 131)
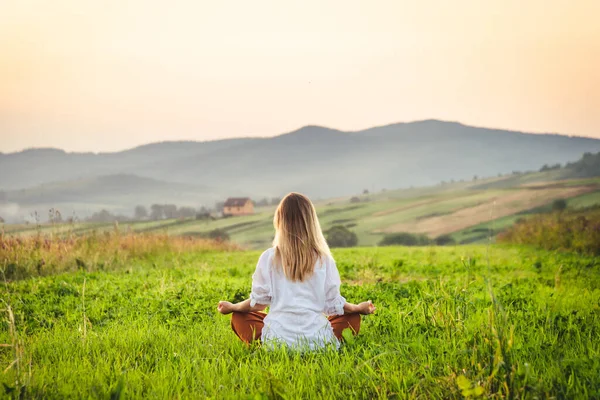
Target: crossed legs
(248, 326)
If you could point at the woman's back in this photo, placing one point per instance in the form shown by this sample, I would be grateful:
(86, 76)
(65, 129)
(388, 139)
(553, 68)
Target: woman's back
(297, 308)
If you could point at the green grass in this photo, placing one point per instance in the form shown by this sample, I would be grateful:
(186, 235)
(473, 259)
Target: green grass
(515, 322)
(482, 233)
(585, 200)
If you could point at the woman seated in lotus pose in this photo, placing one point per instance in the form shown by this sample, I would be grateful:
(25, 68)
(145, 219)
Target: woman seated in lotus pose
(298, 279)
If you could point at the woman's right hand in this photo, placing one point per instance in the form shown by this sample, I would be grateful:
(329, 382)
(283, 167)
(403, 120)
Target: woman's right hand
(225, 307)
(366, 307)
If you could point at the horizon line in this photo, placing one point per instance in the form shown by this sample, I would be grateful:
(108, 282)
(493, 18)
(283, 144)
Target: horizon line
(25, 149)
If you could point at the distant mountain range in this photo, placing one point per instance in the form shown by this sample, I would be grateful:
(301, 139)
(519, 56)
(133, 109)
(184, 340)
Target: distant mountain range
(318, 161)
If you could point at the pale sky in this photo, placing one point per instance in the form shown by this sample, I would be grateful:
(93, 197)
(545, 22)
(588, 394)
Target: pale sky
(112, 74)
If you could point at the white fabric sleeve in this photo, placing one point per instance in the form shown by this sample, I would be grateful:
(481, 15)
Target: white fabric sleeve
(261, 282)
(334, 302)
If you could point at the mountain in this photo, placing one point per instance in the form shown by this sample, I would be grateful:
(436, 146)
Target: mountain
(107, 189)
(37, 166)
(319, 161)
(324, 162)
(118, 193)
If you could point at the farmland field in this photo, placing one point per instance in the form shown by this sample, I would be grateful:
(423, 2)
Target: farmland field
(466, 321)
(463, 210)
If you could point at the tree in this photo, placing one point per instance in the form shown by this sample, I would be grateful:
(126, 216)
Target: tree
(365, 191)
(559, 205)
(219, 206)
(587, 166)
(102, 216)
(275, 201)
(444, 240)
(140, 212)
(263, 202)
(186, 212)
(355, 200)
(203, 215)
(405, 239)
(170, 211)
(340, 236)
(156, 212)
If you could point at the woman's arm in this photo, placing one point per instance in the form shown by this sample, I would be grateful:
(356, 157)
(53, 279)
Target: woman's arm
(260, 295)
(335, 303)
(366, 307)
(226, 307)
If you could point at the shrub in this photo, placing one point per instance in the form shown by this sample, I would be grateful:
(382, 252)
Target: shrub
(576, 231)
(203, 216)
(444, 240)
(559, 205)
(355, 200)
(340, 236)
(220, 235)
(405, 239)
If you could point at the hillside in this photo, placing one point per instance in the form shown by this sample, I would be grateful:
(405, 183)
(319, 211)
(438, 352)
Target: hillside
(467, 213)
(587, 166)
(320, 162)
(34, 167)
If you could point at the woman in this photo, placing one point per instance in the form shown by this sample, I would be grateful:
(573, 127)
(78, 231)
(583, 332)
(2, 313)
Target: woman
(298, 279)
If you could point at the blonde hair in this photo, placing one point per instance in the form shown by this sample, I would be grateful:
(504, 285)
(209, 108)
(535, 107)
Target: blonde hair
(299, 241)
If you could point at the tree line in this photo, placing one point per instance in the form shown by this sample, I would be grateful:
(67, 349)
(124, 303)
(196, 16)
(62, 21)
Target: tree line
(158, 212)
(155, 212)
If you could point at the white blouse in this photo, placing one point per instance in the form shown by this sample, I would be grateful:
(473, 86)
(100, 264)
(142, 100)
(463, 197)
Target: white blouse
(297, 309)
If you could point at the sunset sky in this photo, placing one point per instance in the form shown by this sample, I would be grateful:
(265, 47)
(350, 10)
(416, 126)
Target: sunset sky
(109, 75)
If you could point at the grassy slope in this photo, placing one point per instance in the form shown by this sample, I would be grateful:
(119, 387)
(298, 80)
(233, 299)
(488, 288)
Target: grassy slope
(585, 200)
(369, 219)
(486, 231)
(482, 233)
(151, 329)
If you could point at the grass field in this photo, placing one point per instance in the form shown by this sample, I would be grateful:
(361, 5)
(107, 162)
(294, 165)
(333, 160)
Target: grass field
(459, 209)
(452, 322)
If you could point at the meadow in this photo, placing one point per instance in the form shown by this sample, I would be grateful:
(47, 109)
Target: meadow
(477, 321)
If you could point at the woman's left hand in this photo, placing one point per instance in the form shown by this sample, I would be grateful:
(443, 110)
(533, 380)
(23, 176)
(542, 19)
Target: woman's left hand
(225, 307)
(366, 307)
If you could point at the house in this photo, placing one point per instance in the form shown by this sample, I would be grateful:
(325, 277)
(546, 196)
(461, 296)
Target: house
(238, 206)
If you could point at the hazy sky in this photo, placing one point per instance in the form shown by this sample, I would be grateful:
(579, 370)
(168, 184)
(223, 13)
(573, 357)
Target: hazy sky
(107, 75)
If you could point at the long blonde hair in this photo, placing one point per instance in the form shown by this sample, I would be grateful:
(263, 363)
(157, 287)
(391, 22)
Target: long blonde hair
(299, 241)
